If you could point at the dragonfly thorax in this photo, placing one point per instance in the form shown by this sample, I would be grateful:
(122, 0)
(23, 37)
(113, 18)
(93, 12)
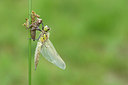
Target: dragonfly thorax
(43, 37)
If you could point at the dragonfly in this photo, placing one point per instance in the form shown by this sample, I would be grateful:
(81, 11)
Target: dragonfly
(46, 48)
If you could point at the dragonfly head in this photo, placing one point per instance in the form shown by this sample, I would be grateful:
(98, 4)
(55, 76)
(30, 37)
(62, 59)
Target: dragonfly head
(46, 28)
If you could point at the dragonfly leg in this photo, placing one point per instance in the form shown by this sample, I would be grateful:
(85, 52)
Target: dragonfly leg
(38, 37)
(38, 29)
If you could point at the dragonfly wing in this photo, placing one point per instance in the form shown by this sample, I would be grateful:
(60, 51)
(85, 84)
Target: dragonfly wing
(50, 53)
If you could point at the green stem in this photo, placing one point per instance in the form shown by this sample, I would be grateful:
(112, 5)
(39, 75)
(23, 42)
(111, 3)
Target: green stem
(29, 44)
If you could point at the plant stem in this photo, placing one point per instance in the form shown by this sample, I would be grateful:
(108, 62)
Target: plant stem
(29, 44)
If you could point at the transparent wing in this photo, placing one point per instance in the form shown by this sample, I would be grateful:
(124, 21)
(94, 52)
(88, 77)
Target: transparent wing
(49, 52)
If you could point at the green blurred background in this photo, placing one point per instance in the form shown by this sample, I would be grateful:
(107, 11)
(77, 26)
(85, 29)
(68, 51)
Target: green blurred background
(90, 35)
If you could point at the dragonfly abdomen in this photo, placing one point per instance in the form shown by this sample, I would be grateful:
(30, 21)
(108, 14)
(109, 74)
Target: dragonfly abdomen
(37, 54)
